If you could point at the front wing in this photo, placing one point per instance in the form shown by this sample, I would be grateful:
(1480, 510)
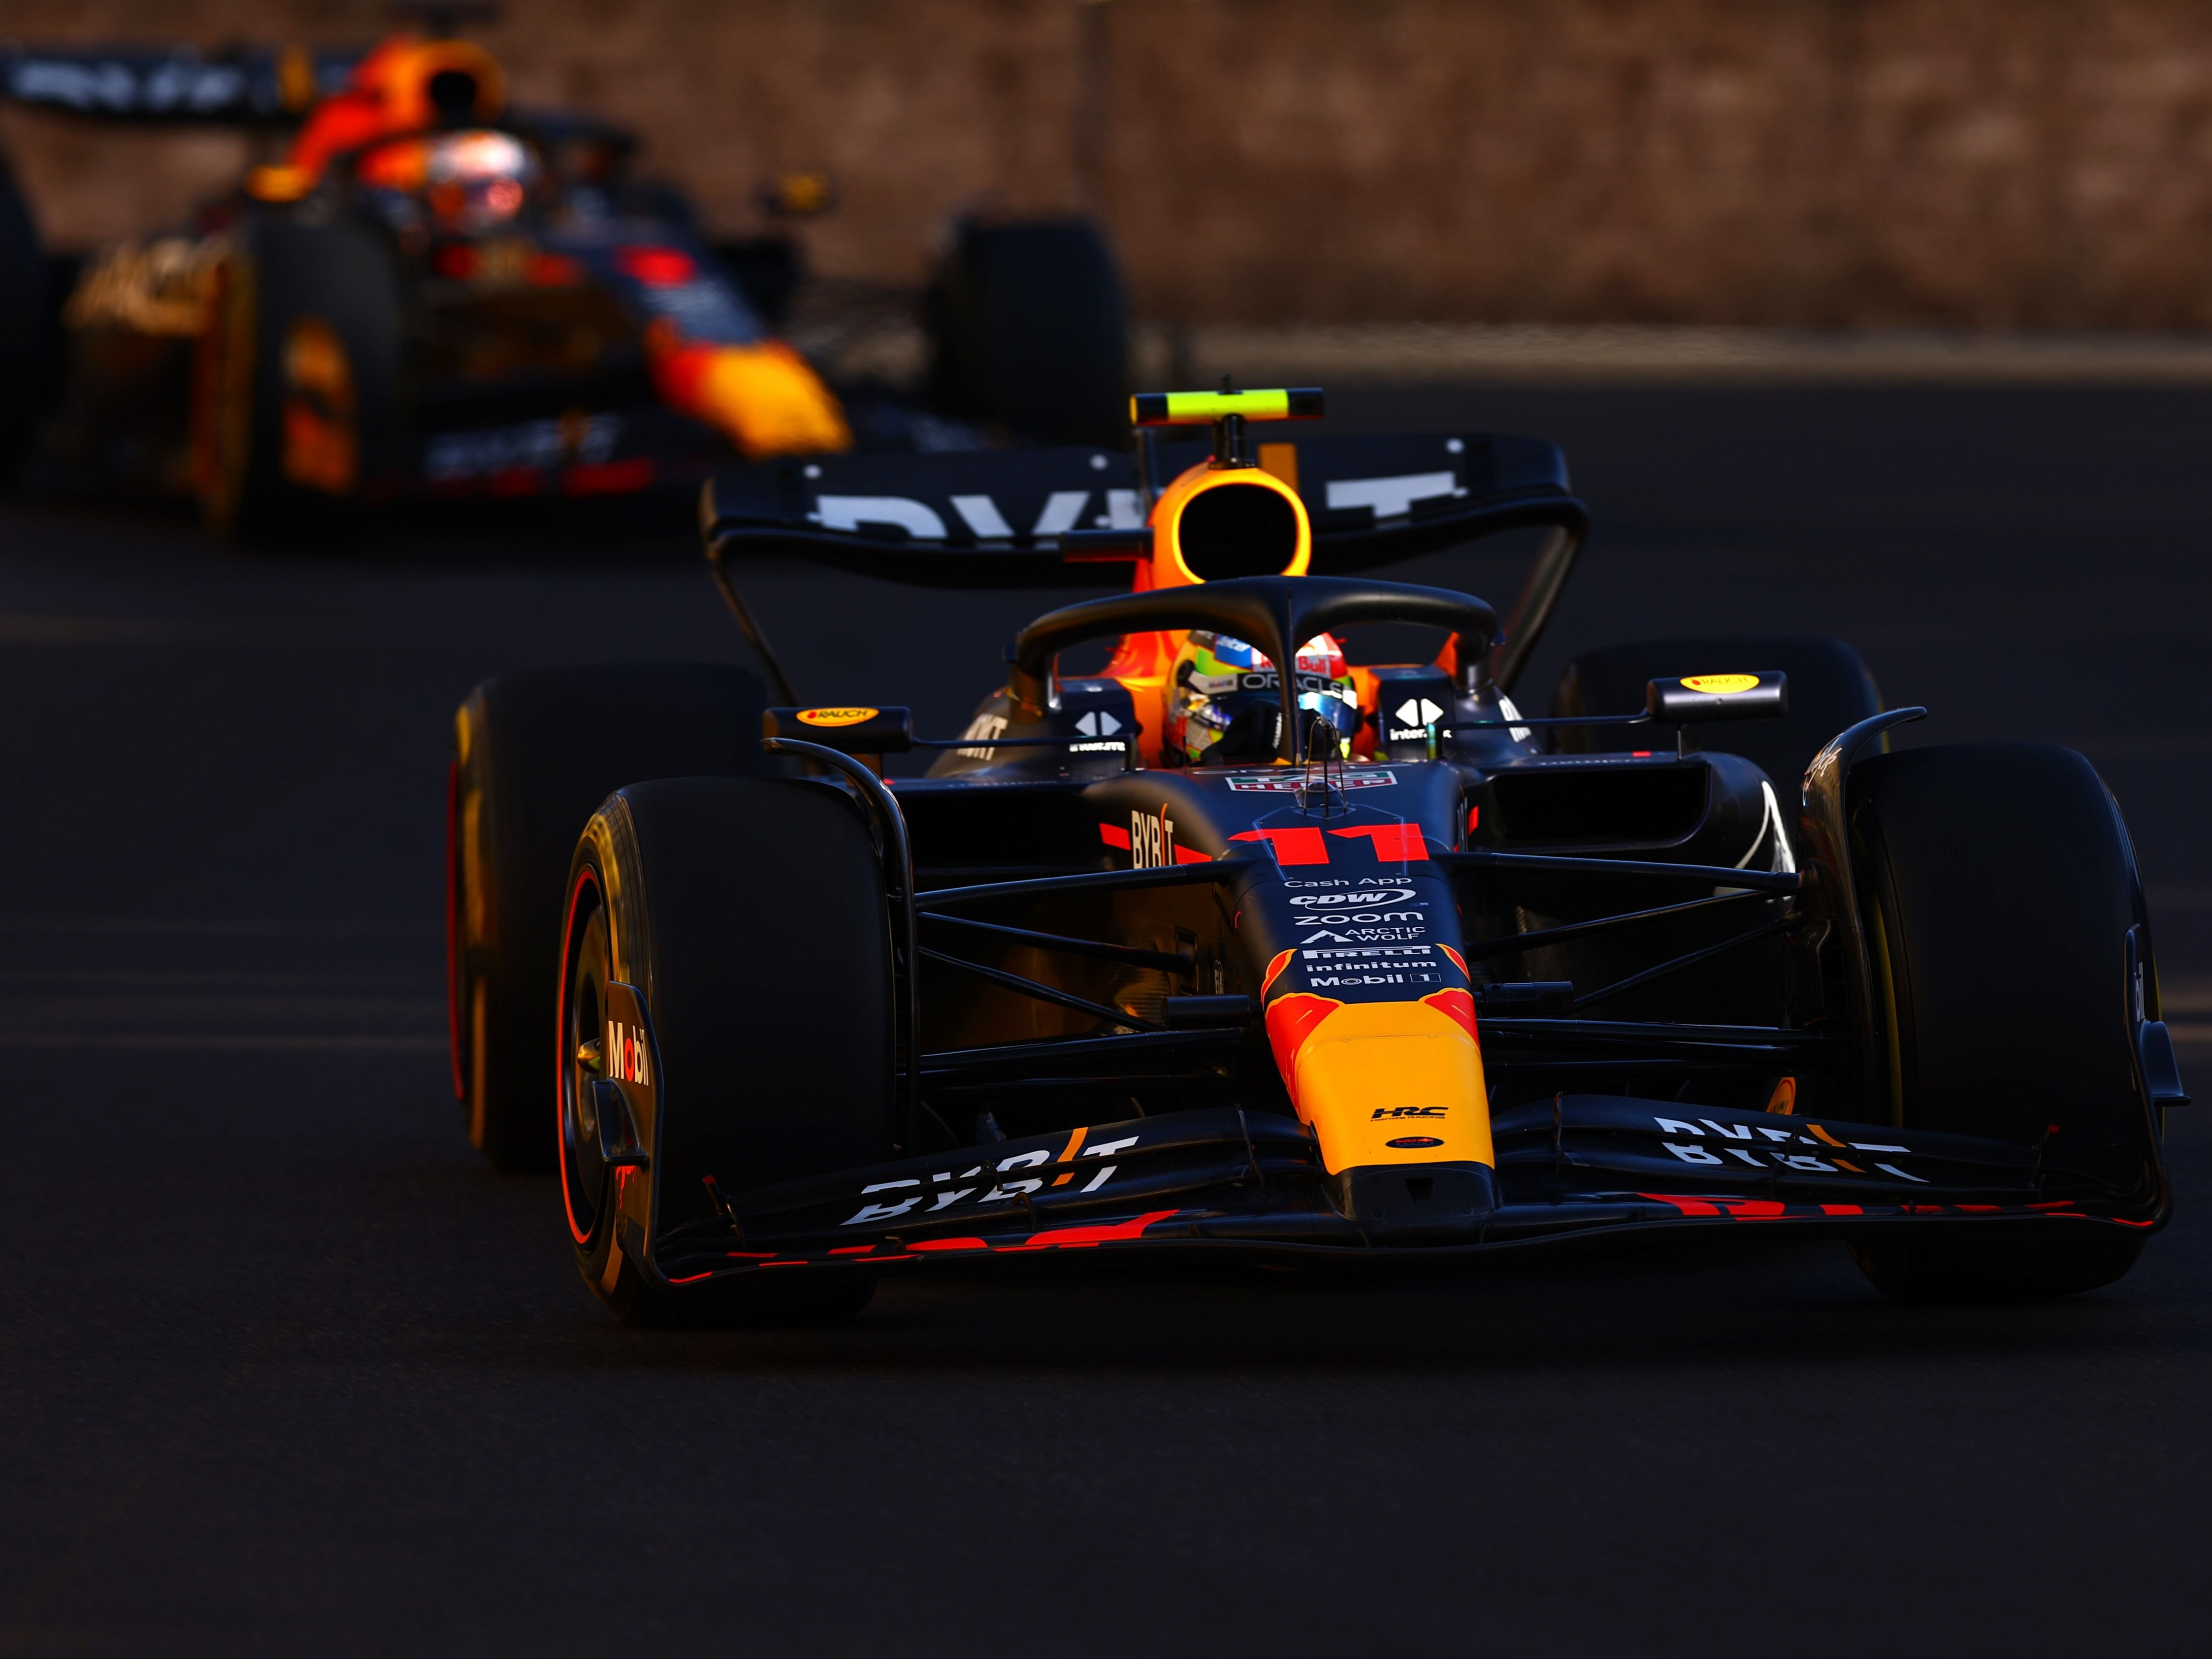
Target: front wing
(1573, 1170)
(628, 450)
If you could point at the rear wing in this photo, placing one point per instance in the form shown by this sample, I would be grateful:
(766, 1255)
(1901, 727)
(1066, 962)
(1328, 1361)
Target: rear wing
(258, 86)
(1033, 518)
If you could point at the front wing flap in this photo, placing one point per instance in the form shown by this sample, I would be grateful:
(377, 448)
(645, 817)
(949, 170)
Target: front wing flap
(1572, 1169)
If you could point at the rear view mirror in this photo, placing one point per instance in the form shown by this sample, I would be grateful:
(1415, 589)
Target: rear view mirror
(1696, 698)
(850, 731)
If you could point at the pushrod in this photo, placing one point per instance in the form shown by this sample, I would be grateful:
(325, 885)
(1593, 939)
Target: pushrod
(1690, 959)
(1506, 947)
(1482, 858)
(1042, 992)
(1176, 961)
(1174, 875)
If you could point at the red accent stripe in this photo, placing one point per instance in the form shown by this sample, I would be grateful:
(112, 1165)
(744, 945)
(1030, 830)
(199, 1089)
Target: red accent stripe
(678, 373)
(1184, 855)
(1686, 1205)
(1841, 1209)
(1302, 845)
(1291, 1019)
(1459, 1004)
(657, 267)
(1399, 843)
(609, 478)
(1114, 838)
(1062, 1238)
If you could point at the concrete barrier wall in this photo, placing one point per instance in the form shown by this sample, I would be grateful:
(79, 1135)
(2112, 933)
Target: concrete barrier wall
(2036, 163)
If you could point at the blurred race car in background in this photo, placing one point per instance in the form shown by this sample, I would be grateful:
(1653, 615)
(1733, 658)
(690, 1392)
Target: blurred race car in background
(436, 294)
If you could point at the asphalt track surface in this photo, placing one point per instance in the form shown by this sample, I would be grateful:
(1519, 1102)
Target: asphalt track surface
(285, 1369)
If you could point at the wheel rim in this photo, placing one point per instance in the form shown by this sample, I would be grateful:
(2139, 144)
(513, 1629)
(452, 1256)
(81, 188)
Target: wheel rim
(583, 1002)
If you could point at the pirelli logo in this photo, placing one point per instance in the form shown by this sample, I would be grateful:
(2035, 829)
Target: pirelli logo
(1353, 955)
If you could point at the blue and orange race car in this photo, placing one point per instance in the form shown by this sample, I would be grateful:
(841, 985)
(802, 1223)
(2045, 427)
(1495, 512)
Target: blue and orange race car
(437, 294)
(1269, 939)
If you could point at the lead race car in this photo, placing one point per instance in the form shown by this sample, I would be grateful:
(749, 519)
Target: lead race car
(1239, 945)
(436, 294)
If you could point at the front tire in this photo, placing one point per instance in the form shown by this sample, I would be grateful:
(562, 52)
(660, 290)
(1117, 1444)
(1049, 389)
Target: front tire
(1999, 888)
(536, 752)
(751, 917)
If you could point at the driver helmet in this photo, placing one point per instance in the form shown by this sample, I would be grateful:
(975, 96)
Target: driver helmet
(1223, 705)
(478, 179)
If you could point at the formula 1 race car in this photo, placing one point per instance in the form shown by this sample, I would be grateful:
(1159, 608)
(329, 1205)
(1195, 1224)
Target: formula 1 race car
(437, 294)
(1243, 946)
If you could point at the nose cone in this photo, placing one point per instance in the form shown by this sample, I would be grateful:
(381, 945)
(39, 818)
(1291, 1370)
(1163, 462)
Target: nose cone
(1385, 1083)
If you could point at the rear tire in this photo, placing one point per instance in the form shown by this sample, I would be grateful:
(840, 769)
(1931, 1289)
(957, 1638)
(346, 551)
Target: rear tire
(295, 382)
(1030, 330)
(1830, 689)
(1999, 886)
(536, 753)
(750, 916)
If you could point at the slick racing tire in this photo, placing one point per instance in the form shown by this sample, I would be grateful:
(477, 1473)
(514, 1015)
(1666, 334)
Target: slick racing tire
(295, 381)
(29, 334)
(1998, 886)
(1030, 330)
(536, 752)
(1830, 689)
(750, 916)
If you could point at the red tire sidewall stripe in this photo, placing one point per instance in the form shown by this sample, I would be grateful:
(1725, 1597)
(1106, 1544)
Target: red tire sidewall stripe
(585, 877)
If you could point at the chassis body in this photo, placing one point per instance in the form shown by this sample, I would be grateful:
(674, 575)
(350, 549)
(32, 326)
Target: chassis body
(1454, 996)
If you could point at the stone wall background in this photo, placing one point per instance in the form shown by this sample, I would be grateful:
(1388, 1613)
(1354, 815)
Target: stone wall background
(1987, 163)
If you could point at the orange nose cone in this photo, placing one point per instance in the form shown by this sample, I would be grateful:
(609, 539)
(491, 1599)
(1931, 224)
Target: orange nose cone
(1384, 1082)
(765, 397)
